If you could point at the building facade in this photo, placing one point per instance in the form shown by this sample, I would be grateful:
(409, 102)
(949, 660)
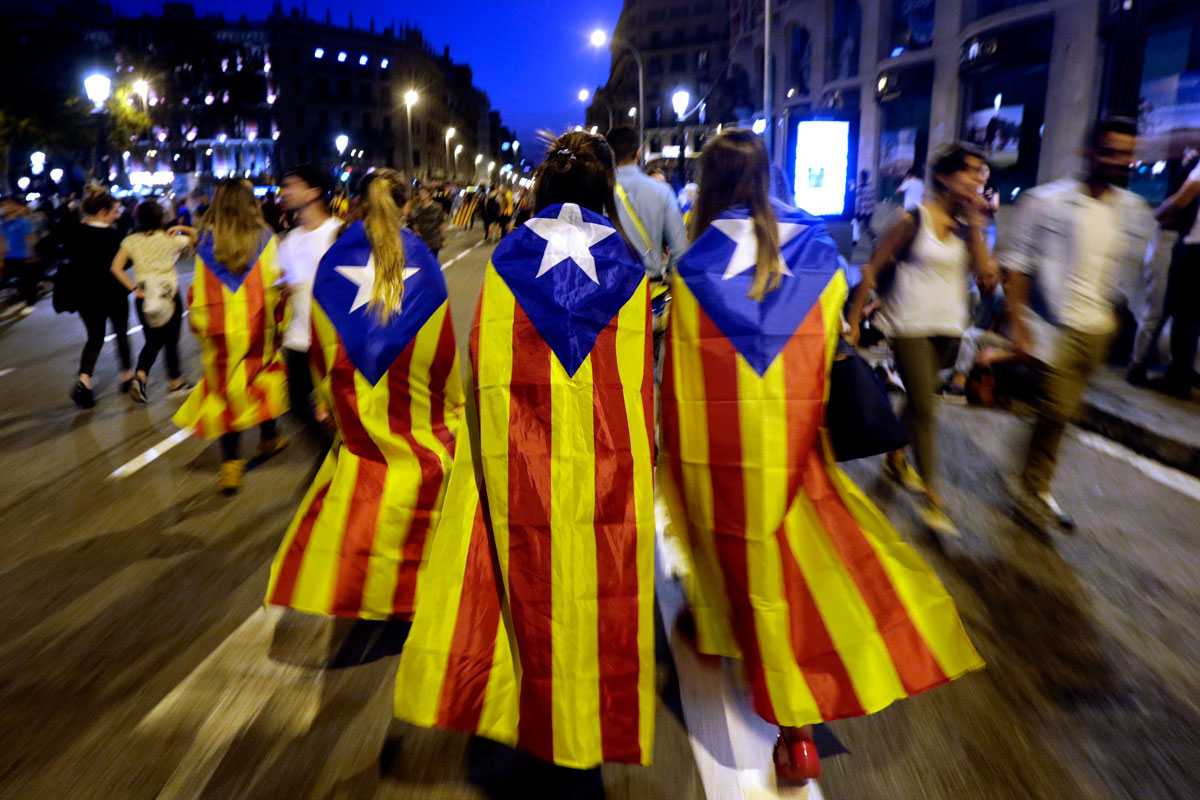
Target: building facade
(1020, 78)
(251, 98)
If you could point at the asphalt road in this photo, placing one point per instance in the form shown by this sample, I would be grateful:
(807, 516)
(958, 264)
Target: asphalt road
(136, 660)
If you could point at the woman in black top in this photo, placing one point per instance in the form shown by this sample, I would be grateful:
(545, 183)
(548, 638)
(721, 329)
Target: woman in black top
(90, 248)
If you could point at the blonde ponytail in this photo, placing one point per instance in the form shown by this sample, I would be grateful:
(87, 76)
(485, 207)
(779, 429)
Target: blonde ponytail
(769, 268)
(382, 221)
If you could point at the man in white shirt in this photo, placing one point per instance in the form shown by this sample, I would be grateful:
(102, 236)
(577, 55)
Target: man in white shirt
(1072, 246)
(305, 194)
(913, 190)
(1183, 290)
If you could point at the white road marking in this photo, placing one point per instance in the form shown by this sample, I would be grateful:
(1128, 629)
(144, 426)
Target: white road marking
(1159, 473)
(125, 470)
(460, 255)
(5, 371)
(732, 745)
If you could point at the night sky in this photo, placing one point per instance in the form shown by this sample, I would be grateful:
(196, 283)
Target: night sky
(531, 56)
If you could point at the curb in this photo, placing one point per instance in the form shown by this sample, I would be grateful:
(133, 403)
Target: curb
(1100, 415)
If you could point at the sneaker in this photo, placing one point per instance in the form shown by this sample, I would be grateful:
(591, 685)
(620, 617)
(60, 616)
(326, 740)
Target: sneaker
(937, 520)
(1064, 519)
(182, 390)
(231, 476)
(1030, 510)
(137, 390)
(83, 396)
(1136, 376)
(902, 472)
(269, 447)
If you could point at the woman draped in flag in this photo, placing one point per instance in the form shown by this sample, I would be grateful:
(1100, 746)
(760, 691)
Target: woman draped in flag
(793, 570)
(236, 313)
(387, 370)
(534, 623)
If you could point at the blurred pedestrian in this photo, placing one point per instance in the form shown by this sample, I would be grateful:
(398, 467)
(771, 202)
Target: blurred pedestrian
(154, 250)
(427, 219)
(19, 261)
(774, 528)
(388, 373)
(1071, 246)
(933, 247)
(991, 199)
(491, 214)
(305, 194)
(864, 207)
(911, 190)
(1183, 288)
(648, 208)
(236, 307)
(272, 212)
(89, 248)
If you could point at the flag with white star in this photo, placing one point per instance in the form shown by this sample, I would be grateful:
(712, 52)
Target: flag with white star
(792, 568)
(549, 645)
(237, 316)
(357, 542)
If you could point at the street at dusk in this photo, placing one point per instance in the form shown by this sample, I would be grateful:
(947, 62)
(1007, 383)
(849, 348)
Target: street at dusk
(517, 401)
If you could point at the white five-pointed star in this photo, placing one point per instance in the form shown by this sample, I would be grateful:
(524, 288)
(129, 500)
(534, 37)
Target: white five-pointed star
(746, 254)
(569, 237)
(364, 278)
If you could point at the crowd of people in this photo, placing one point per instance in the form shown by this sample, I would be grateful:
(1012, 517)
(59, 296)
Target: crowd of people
(533, 581)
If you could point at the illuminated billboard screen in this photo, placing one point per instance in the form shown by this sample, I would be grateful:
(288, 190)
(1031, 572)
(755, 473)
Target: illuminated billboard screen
(822, 165)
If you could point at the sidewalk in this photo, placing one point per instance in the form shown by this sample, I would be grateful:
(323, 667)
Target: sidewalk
(1145, 421)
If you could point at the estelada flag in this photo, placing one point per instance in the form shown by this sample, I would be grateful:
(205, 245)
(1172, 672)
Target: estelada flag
(238, 319)
(356, 545)
(462, 218)
(534, 623)
(793, 569)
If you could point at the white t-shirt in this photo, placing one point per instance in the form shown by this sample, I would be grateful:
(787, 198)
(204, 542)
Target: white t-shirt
(913, 190)
(299, 254)
(1086, 303)
(1193, 236)
(928, 296)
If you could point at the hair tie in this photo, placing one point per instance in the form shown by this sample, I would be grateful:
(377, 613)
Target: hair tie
(565, 152)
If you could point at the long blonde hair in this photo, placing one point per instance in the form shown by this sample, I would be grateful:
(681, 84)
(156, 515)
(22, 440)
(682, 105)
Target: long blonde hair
(735, 170)
(236, 224)
(384, 196)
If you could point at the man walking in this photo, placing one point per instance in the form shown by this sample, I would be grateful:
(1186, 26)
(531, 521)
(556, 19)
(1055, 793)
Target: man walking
(864, 207)
(1183, 288)
(1073, 243)
(647, 208)
(19, 259)
(305, 193)
(428, 220)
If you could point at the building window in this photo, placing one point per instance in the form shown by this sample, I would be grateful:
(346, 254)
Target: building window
(387, 125)
(300, 117)
(904, 128)
(800, 61)
(655, 66)
(366, 126)
(344, 90)
(844, 39)
(345, 119)
(323, 118)
(655, 40)
(1169, 112)
(364, 92)
(912, 26)
(679, 36)
(678, 62)
(702, 32)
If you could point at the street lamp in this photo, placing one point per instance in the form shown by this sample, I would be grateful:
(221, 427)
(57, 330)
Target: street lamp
(449, 135)
(598, 39)
(632, 111)
(458, 148)
(56, 174)
(341, 142)
(98, 87)
(142, 89)
(584, 94)
(680, 101)
(410, 99)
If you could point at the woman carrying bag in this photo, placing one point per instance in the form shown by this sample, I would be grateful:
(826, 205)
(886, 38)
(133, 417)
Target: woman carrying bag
(792, 569)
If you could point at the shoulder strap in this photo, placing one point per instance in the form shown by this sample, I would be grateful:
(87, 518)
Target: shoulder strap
(637, 222)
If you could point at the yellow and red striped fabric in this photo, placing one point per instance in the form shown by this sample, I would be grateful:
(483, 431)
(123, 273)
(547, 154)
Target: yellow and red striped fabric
(462, 217)
(238, 320)
(358, 541)
(793, 569)
(534, 623)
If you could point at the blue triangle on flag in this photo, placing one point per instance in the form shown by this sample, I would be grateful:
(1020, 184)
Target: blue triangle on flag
(565, 305)
(760, 330)
(233, 280)
(371, 345)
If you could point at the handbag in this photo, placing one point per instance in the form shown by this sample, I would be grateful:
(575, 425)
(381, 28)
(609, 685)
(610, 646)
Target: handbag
(859, 414)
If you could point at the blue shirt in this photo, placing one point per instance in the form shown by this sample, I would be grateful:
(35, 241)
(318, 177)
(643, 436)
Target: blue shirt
(15, 231)
(656, 208)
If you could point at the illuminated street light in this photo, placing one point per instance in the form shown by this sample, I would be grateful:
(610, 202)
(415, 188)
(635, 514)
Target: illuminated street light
(632, 111)
(449, 135)
(758, 126)
(584, 94)
(458, 148)
(341, 142)
(491, 166)
(37, 162)
(142, 89)
(410, 99)
(22, 183)
(599, 38)
(56, 174)
(680, 101)
(98, 87)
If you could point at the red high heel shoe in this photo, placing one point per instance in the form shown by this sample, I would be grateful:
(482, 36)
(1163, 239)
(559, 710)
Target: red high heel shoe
(796, 760)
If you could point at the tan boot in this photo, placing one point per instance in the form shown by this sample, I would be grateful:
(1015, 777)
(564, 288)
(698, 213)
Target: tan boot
(231, 476)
